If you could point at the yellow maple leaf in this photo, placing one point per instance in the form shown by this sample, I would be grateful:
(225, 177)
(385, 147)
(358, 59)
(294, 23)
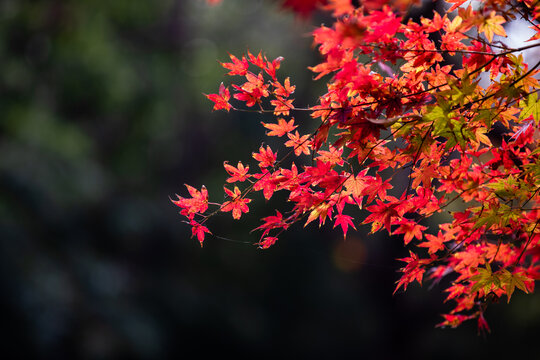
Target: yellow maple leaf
(492, 26)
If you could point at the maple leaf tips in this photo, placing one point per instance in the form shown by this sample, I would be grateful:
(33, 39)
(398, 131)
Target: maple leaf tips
(414, 270)
(454, 320)
(344, 221)
(483, 326)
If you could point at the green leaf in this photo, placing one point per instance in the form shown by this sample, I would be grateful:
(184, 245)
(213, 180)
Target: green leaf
(531, 107)
(436, 113)
(511, 281)
(484, 278)
(487, 219)
(486, 116)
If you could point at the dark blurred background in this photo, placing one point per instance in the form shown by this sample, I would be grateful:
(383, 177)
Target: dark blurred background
(102, 119)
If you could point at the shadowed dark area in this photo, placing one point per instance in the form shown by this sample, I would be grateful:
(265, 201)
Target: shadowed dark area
(103, 118)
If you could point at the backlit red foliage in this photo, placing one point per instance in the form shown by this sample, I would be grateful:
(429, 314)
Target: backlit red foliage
(405, 110)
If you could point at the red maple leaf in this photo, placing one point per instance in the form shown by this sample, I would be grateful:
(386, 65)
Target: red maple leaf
(268, 182)
(265, 157)
(198, 203)
(454, 320)
(221, 100)
(414, 270)
(333, 156)
(410, 229)
(377, 187)
(272, 222)
(266, 242)
(455, 290)
(483, 326)
(284, 90)
(237, 204)
(271, 67)
(383, 213)
(199, 231)
(237, 67)
(457, 3)
(253, 90)
(257, 60)
(404, 111)
(299, 143)
(344, 221)
(238, 173)
(434, 243)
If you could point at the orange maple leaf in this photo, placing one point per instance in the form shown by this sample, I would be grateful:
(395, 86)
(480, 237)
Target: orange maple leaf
(282, 106)
(221, 100)
(356, 185)
(284, 90)
(237, 67)
(299, 143)
(281, 128)
(333, 156)
(434, 243)
(257, 60)
(492, 26)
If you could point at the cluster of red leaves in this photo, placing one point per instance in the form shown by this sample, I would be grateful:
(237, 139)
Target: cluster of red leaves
(406, 110)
